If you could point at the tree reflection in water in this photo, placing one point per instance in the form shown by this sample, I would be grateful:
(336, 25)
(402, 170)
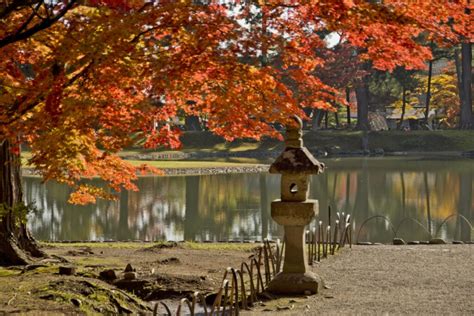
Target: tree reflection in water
(237, 206)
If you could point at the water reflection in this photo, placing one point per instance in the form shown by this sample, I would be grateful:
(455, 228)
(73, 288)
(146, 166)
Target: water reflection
(418, 193)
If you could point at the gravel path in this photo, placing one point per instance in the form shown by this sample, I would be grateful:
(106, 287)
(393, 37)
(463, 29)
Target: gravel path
(414, 280)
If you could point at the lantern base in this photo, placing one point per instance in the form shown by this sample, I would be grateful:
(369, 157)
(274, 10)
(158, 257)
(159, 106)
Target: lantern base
(296, 283)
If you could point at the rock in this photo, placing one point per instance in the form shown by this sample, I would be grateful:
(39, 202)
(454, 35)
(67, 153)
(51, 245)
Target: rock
(458, 242)
(364, 243)
(33, 267)
(437, 241)
(424, 242)
(333, 150)
(108, 275)
(398, 241)
(308, 293)
(141, 288)
(129, 268)
(130, 275)
(357, 153)
(378, 152)
(414, 242)
(321, 153)
(77, 302)
(67, 270)
(84, 251)
(285, 308)
(172, 260)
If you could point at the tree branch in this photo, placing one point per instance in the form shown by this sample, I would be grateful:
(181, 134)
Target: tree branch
(30, 18)
(18, 36)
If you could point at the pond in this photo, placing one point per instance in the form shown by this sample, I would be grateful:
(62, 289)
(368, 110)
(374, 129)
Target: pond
(416, 197)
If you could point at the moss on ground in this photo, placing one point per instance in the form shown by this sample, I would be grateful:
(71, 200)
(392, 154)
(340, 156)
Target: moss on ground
(4, 272)
(92, 297)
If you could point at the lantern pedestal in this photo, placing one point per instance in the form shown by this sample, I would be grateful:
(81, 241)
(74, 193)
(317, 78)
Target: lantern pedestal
(295, 277)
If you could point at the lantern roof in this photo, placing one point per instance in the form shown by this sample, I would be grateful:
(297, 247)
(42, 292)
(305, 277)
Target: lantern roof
(295, 158)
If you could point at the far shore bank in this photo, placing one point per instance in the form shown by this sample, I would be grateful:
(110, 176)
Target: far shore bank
(204, 153)
(259, 164)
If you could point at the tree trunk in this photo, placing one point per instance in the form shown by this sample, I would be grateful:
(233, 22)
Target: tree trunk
(17, 246)
(428, 91)
(362, 96)
(457, 63)
(466, 80)
(326, 118)
(308, 112)
(336, 118)
(191, 122)
(404, 104)
(348, 99)
(317, 119)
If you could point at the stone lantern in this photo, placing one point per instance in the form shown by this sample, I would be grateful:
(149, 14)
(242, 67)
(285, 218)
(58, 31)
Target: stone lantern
(294, 211)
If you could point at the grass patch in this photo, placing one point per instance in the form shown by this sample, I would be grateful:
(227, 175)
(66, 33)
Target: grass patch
(144, 245)
(121, 245)
(421, 141)
(220, 246)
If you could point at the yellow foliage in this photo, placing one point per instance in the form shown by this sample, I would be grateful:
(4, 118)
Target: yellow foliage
(444, 97)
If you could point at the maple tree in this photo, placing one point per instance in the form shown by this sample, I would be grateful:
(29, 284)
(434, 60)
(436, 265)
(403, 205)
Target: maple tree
(444, 97)
(81, 80)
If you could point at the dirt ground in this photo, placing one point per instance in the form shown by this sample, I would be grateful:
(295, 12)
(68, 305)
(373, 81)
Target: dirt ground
(421, 279)
(171, 270)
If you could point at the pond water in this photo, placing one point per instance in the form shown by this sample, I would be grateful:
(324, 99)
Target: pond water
(412, 196)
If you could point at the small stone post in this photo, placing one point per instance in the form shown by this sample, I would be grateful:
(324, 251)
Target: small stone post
(294, 211)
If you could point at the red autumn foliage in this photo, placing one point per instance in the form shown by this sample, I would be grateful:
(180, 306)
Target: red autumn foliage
(84, 85)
